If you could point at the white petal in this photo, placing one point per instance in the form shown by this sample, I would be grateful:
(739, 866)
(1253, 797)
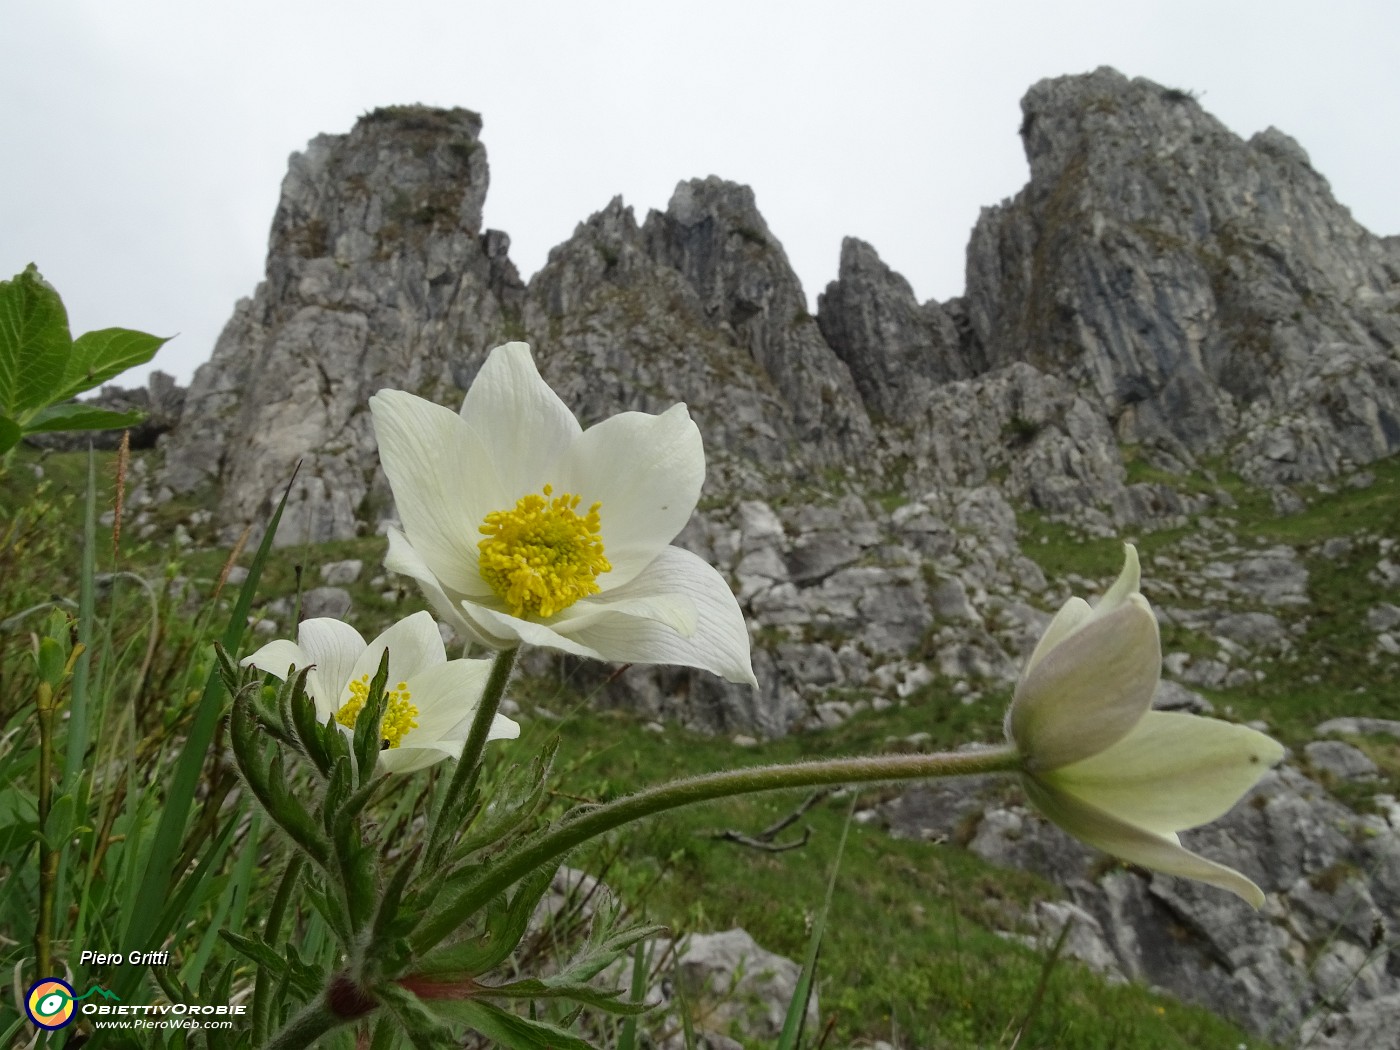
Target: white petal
(655, 595)
(276, 657)
(1074, 614)
(1088, 691)
(443, 481)
(446, 695)
(1172, 772)
(414, 645)
(613, 630)
(411, 759)
(719, 642)
(1127, 584)
(646, 471)
(524, 425)
(655, 598)
(334, 646)
(402, 558)
(1160, 852)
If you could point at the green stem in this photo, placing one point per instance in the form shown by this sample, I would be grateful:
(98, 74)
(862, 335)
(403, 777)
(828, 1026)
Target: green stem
(314, 1021)
(272, 933)
(485, 716)
(468, 764)
(579, 828)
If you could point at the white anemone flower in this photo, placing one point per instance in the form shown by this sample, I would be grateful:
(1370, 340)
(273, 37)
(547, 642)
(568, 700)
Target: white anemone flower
(521, 526)
(432, 700)
(1105, 767)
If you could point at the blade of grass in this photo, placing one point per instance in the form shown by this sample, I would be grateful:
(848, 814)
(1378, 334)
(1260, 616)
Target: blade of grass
(233, 901)
(75, 749)
(627, 1039)
(1042, 983)
(802, 994)
(87, 603)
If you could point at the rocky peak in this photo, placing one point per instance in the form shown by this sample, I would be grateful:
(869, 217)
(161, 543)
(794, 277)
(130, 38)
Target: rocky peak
(378, 275)
(896, 349)
(613, 328)
(1195, 282)
(713, 234)
(401, 174)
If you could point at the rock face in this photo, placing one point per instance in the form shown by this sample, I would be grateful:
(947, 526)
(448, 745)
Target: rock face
(378, 274)
(1210, 291)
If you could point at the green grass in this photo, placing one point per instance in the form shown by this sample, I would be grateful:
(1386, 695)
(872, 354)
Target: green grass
(911, 955)
(909, 948)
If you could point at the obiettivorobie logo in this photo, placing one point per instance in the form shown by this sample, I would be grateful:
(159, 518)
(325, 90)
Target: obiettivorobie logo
(50, 1002)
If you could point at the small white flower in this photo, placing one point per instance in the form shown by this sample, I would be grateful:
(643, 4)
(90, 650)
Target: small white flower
(432, 700)
(520, 526)
(1105, 767)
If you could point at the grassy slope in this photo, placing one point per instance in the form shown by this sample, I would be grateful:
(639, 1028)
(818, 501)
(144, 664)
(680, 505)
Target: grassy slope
(909, 955)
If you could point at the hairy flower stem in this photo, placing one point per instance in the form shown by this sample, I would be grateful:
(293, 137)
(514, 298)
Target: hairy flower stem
(314, 1021)
(468, 765)
(590, 823)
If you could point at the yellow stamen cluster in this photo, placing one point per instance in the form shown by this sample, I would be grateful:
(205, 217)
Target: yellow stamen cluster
(541, 556)
(400, 715)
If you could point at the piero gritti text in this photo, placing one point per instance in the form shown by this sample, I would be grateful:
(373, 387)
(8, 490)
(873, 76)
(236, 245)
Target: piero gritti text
(129, 959)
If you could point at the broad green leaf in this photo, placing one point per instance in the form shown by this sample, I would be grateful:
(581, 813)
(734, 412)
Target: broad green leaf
(98, 356)
(52, 657)
(60, 823)
(34, 342)
(74, 416)
(10, 434)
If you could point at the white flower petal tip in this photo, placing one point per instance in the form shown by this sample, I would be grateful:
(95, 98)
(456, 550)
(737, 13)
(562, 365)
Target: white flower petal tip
(431, 699)
(1107, 769)
(520, 526)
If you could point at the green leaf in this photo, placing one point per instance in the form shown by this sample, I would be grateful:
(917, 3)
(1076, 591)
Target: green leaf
(34, 343)
(10, 434)
(533, 988)
(512, 1032)
(505, 926)
(60, 824)
(76, 416)
(423, 1027)
(262, 954)
(52, 657)
(100, 355)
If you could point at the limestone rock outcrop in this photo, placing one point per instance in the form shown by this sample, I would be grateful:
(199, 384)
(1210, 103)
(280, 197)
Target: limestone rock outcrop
(378, 274)
(1210, 292)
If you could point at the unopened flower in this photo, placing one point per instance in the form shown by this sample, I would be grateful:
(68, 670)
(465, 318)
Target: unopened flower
(1105, 767)
(521, 526)
(432, 700)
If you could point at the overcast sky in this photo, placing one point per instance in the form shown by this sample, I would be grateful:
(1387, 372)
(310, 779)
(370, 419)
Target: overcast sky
(145, 140)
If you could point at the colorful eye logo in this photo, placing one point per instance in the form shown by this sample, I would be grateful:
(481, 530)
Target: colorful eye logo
(50, 1003)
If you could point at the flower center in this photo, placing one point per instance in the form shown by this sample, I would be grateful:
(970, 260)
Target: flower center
(400, 715)
(542, 556)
